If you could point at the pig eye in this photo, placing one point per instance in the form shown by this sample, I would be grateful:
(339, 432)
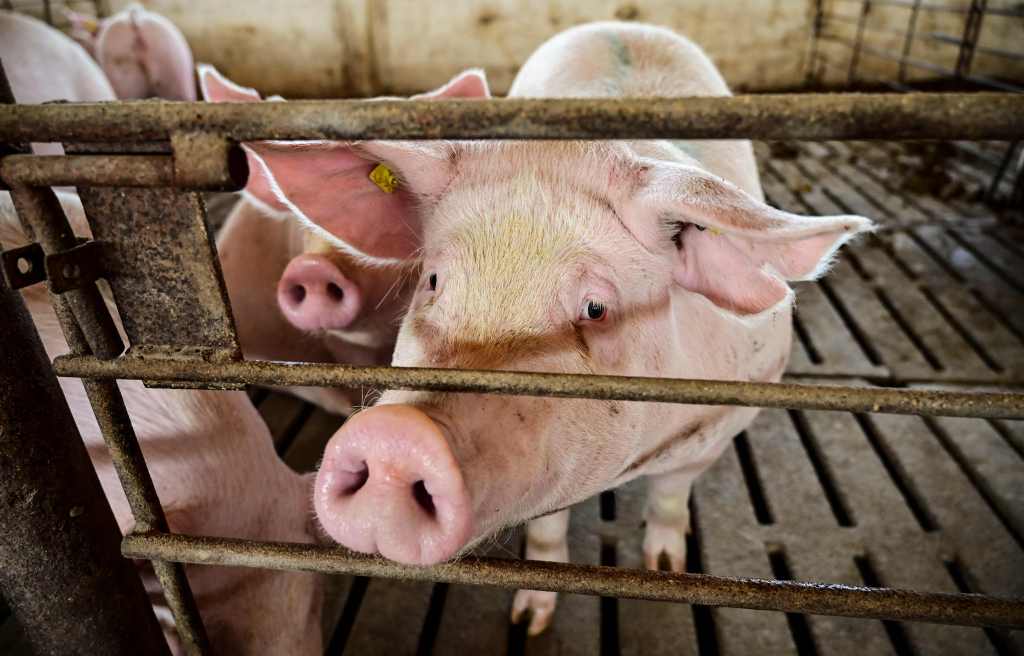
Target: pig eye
(432, 281)
(595, 311)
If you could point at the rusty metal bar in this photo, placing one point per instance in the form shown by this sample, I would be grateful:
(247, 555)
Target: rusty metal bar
(59, 540)
(619, 388)
(788, 596)
(124, 171)
(972, 29)
(781, 116)
(89, 328)
(1017, 12)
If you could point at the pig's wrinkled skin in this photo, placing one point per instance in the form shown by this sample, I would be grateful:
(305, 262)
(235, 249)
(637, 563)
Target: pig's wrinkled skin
(42, 64)
(143, 54)
(267, 257)
(215, 469)
(639, 258)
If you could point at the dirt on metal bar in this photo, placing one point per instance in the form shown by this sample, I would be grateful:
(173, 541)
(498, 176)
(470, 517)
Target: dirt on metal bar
(205, 173)
(788, 596)
(770, 116)
(619, 388)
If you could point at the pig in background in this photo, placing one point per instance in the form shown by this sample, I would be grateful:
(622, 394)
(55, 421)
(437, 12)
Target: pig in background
(295, 295)
(210, 454)
(637, 258)
(214, 467)
(143, 54)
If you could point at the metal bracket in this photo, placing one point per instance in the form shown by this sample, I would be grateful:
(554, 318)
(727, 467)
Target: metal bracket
(24, 266)
(75, 268)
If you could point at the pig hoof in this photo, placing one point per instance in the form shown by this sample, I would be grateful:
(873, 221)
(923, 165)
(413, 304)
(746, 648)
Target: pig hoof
(539, 604)
(668, 540)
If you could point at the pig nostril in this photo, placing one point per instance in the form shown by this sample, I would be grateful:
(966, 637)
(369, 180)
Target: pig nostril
(423, 498)
(297, 293)
(334, 292)
(355, 480)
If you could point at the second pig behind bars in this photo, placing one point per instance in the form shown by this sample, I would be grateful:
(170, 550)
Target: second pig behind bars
(636, 258)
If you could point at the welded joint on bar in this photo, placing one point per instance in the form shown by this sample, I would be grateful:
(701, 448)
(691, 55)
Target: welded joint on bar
(204, 160)
(24, 266)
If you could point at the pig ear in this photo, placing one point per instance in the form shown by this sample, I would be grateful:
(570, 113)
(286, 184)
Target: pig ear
(83, 29)
(729, 246)
(328, 185)
(471, 83)
(217, 88)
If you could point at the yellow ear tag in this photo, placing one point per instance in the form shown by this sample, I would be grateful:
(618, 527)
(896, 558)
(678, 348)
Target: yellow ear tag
(384, 179)
(714, 231)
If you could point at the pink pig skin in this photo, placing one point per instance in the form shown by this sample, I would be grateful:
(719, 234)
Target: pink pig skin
(214, 467)
(295, 295)
(43, 64)
(637, 258)
(143, 53)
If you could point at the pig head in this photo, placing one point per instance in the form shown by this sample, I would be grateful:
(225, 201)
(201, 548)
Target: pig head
(644, 258)
(294, 294)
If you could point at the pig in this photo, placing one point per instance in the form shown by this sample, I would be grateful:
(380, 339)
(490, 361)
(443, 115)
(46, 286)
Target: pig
(43, 64)
(143, 54)
(295, 296)
(214, 467)
(635, 258)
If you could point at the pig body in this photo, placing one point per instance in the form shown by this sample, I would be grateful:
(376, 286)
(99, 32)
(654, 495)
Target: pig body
(216, 472)
(143, 54)
(42, 64)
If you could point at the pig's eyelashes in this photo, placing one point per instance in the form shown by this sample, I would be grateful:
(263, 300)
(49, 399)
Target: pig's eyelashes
(432, 282)
(681, 227)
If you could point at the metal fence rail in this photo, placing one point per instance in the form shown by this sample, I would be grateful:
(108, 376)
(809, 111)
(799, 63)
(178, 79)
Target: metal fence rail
(202, 156)
(704, 589)
(784, 116)
(614, 388)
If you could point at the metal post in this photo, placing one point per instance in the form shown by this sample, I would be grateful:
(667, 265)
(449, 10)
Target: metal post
(851, 77)
(88, 327)
(972, 29)
(61, 569)
(908, 41)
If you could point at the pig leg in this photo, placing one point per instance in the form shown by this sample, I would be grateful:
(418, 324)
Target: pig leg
(667, 515)
(547, 538)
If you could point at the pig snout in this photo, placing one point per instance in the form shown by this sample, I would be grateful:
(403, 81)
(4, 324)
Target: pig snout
(314, 294)
(389, 484)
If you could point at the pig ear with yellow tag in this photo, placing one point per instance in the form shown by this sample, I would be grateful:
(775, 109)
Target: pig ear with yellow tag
(385, 180)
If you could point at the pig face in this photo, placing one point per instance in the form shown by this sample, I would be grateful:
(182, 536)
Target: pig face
(572, 257)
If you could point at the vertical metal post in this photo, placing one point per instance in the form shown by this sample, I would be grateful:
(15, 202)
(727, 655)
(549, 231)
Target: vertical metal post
(89, 328)
(61, 568)
(908, 40)
(865, 9)
(811, 78)
(972, 29)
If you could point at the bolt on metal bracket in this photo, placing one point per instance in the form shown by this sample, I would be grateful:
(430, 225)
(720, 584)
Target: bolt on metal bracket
(23, 266)
(66, 270)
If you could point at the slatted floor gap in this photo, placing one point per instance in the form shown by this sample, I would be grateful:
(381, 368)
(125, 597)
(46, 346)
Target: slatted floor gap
(933, 297)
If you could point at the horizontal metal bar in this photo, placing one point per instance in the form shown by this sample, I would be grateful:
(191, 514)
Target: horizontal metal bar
(117, 171)
(930, 6)
(788, 596)
(958, 41)
(781, 116)
(619, 388)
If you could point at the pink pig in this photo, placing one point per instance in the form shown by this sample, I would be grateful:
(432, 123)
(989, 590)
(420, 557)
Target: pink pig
(296, 296)
(42, 64)
(142, 53)
(637, 258)
(215, 469)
